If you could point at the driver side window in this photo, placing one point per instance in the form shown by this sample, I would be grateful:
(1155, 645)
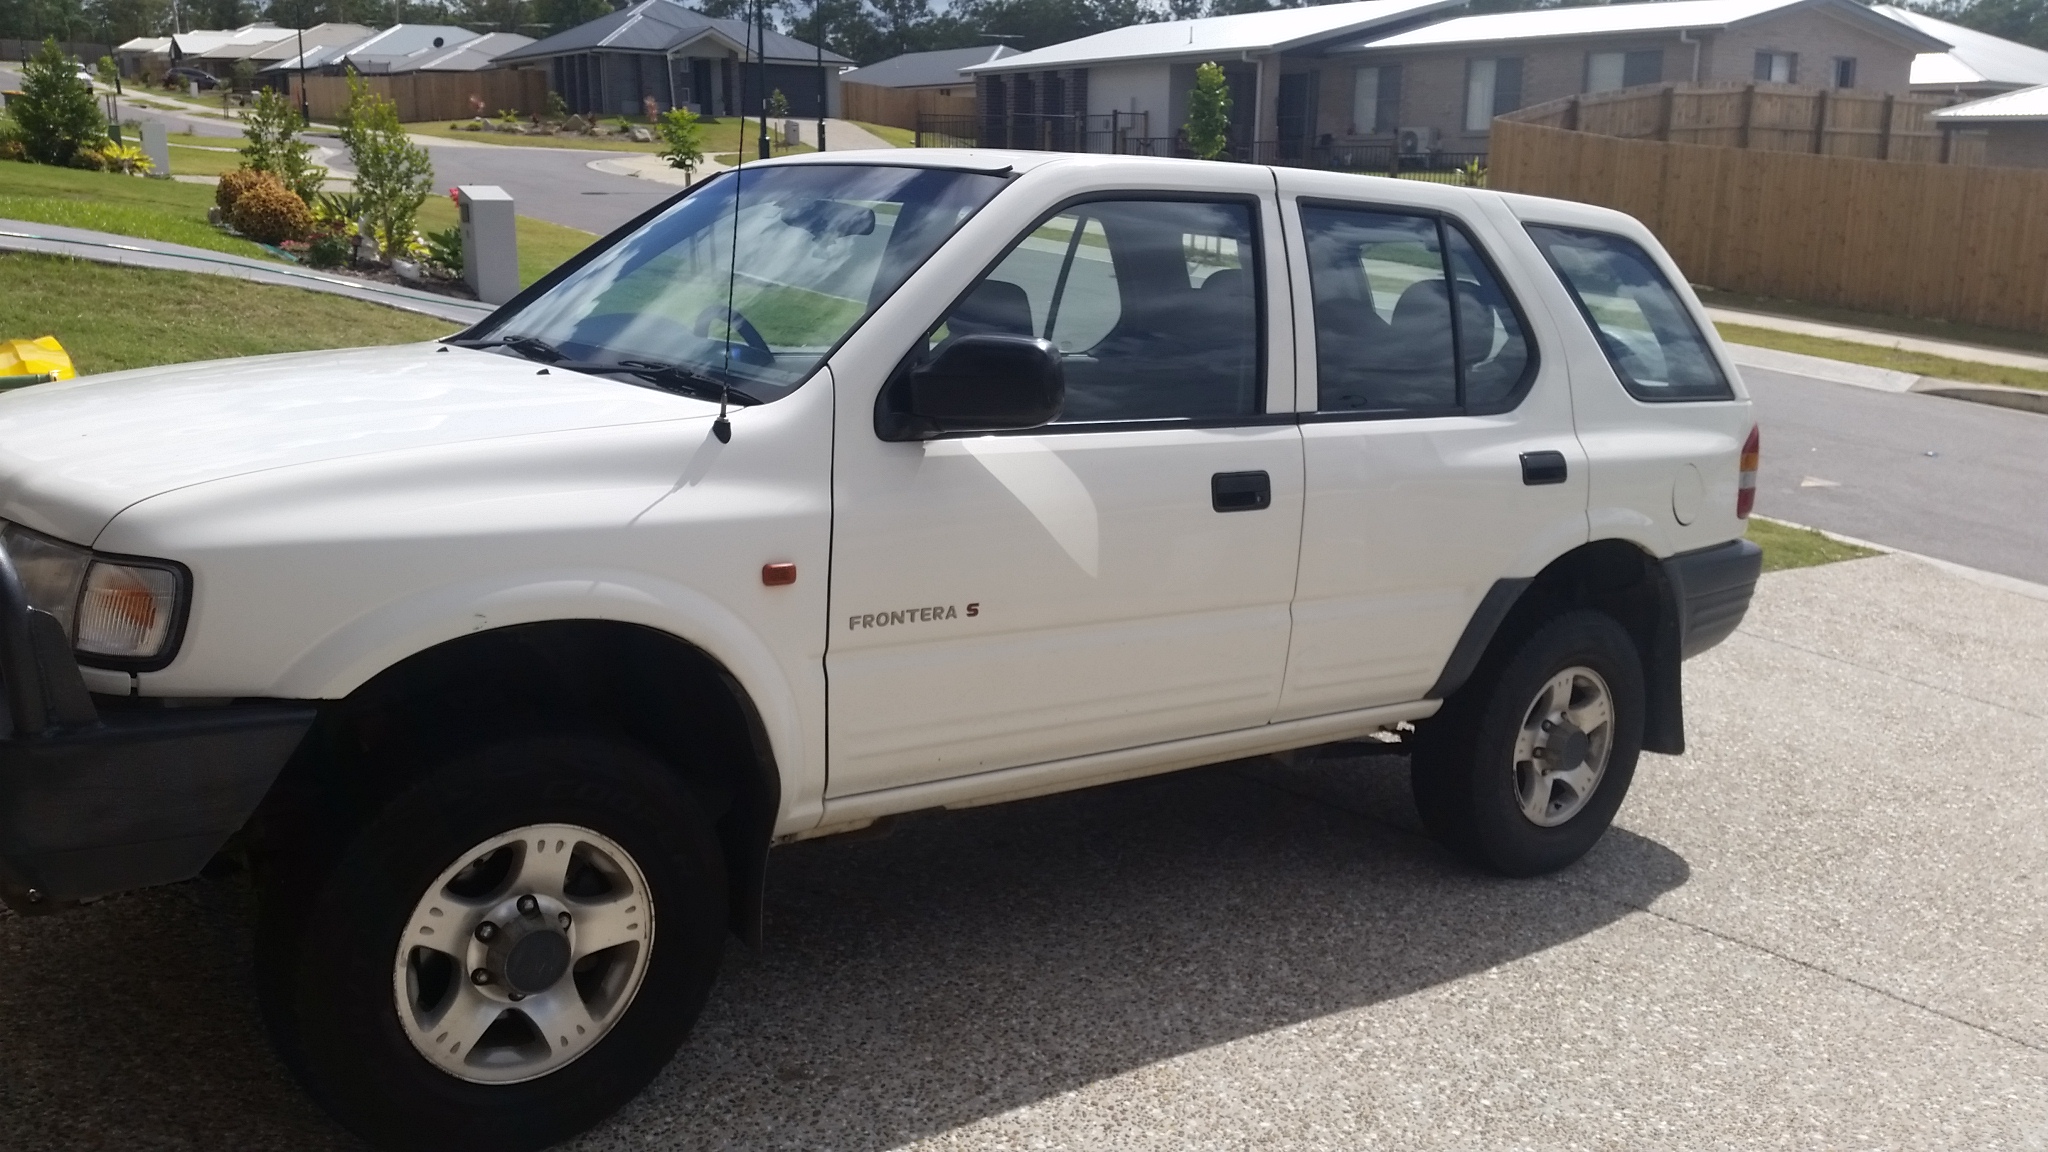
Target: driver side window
(1152, 305)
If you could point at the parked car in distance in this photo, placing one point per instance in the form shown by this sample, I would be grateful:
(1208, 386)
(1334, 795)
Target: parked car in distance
(843, 486)
(181, 77)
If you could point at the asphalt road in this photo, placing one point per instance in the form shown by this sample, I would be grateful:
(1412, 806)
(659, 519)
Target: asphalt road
(1949, 478)
(1825, 927)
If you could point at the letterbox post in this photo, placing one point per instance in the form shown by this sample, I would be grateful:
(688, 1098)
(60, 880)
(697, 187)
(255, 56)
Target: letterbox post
(490, 242)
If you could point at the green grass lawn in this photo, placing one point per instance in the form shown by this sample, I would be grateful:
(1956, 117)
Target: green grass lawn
(900, 137)
(109, 202)
(110, 317)
(1786, 546)
(1878, 356)
(176, 213)
(721, 135)
(204, 155)
(1902, 325)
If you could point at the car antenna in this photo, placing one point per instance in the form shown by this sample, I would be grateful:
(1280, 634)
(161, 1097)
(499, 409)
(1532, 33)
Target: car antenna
(722, 427)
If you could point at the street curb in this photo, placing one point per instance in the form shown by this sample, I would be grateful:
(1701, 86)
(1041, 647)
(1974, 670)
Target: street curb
(1885, 379)
(1997, 580)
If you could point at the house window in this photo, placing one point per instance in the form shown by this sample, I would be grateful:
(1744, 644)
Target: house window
(1606, 71)
(1777, 67)
(1375, 99)
(1845, 71)
(1492, 88)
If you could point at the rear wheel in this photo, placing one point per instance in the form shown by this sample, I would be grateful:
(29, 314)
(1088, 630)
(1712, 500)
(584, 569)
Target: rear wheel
(1523, 769)
(507, 952)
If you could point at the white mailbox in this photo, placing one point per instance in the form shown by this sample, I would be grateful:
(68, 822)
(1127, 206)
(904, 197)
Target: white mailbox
(490, 242)
(156, 145)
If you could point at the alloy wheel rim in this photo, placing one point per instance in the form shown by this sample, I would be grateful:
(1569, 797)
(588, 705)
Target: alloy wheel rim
(523, 953)
(1562, 747)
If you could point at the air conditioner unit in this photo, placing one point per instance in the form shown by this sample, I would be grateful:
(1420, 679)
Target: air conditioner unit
(1417, 141)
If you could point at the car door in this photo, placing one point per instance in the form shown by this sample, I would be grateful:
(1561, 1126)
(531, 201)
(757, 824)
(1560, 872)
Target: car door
(1117, 578)
(1431, 474)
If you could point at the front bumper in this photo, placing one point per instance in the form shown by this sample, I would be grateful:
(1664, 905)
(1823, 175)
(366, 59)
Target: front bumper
(98, 797)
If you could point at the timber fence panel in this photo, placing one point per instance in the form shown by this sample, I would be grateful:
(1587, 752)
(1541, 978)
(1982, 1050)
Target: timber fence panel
(899, 107)
(436, 95)
(1964, 244)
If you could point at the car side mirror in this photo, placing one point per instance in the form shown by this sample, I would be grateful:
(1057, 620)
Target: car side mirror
(983, 383)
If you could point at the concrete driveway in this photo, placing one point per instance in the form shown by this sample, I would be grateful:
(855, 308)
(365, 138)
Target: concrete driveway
(1826, 927)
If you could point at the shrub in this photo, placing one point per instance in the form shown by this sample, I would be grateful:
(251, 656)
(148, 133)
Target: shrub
(270, 213)
(124, 158)
(444, 249)
(11, 146)
(1208, 125)
(58, 115)
(273, 125)
(329, 250)
(682, 140)
(393, 175)
(233, 184)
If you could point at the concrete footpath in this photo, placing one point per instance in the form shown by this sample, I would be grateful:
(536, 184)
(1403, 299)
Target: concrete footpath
(1823, 927)
(107, 248)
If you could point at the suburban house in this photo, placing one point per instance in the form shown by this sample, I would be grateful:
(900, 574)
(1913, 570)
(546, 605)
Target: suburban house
(938, 73)
(1126, 90)
(288, 46)
(143, 56)
(1976, 63)
(468, 56)
(1400, 78)
(214, 50)
(677, 57)
(1441, 85)
(2014, 126)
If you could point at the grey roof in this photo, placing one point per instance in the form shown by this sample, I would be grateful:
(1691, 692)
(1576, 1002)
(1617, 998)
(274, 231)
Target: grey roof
(468, 56)
(382, 51)
(926, 69)
(2027, 104)
(1974, 58)
(1613, 19)
(318, 36)
(1213, 36)
(663, 26)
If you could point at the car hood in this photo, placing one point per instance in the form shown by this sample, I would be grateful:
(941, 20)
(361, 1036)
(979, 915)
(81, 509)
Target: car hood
(74, 454)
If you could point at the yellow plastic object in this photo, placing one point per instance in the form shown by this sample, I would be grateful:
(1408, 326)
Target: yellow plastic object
(38, 361)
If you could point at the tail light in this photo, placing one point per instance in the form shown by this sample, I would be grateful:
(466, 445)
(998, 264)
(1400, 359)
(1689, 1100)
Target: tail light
(1745, 485)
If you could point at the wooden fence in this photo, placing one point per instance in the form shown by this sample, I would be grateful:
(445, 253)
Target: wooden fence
(436, 95)
(1958, 243)
(82, 50)
(899, 107)
(1766, 118)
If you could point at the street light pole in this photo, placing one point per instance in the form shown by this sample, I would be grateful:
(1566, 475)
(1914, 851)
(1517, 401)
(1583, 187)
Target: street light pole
(824, 89)
(761, 68)
(305, 103)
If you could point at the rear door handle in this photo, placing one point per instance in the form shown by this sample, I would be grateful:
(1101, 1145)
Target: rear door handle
(1545, 467)
(1240, 491)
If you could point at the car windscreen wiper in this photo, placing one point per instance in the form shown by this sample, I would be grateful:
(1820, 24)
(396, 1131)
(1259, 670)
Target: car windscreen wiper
(669, 376)
(531, 347)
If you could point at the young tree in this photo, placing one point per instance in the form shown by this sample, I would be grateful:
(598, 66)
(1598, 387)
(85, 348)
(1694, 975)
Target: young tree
(1208, 125)
(272, 126)
(682, 140)
(57, 114)
(393, 174)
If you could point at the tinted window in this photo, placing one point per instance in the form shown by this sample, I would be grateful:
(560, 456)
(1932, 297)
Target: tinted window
(1152, 305)
(1643, 325)
(1384, 326)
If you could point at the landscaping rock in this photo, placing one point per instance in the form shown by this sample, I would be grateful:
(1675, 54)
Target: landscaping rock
(641, 136)
(575, 124)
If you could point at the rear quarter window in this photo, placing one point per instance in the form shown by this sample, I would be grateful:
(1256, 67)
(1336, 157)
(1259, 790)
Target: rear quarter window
(1641, 321)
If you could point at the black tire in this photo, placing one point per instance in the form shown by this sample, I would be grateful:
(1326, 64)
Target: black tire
(1464, 770)
(328, 935)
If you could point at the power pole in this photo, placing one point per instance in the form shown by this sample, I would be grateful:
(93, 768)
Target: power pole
(824, 89)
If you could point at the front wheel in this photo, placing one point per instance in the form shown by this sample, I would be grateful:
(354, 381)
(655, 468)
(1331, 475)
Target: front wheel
(1523, 769)
(508, 952)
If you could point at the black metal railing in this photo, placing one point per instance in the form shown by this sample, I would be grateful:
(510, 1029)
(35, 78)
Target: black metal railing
(947, 131)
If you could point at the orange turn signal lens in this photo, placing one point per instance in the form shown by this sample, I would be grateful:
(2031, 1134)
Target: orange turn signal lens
(777, 574)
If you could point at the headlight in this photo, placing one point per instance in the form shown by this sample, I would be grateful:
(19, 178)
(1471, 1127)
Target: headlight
(119, 612)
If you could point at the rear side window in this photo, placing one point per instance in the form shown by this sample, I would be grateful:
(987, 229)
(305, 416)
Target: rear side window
(1643, 325)
(1388, 341)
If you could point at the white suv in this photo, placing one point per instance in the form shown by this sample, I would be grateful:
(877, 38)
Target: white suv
(837, 488)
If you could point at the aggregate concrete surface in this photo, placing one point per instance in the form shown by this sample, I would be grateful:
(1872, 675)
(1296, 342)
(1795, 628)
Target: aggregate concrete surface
(1825, 927)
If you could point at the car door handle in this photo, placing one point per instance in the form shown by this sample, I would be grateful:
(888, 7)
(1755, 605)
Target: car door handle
(1240, 491)
(1545, 467)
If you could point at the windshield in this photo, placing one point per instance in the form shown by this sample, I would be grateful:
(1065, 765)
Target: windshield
(818, 247)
